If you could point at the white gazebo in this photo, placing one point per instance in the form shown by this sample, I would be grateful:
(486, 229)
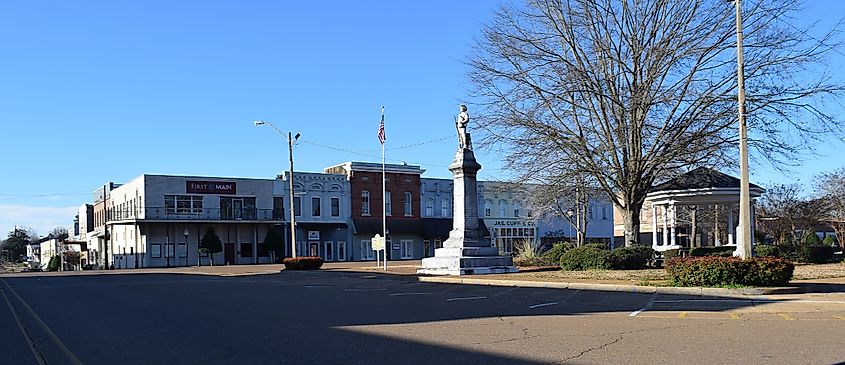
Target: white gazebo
(705, 188)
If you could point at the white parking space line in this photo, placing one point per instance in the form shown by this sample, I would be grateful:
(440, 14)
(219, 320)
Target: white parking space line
(542, 305)
(465, 298)
(319, 286)
(554, 303)
(503, 292)
(403, 294)
(645, 308)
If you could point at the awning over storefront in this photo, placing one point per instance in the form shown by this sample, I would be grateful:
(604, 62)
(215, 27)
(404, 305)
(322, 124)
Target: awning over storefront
(313, 226)
(368, 226)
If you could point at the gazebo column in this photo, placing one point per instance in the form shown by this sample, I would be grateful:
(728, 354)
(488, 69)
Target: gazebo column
(653, 225)
(753, 222)
(673, 210)
(731, 225)
(716, 241)
(665, 224)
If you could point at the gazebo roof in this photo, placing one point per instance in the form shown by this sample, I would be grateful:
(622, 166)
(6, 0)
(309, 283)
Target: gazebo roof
(702, 178)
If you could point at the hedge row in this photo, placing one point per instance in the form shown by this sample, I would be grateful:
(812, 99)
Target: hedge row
(303, 263)
(725, 271)
(723, 251)
(811, 254)
(592, 257)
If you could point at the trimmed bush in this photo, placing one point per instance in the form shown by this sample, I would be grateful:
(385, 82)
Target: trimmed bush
(789, 252)
(815, 254)
(723, 271)
(598, 245)
(303, 263)
(557, 250)
(721, 251)
(630, 258)
(584, 258)
(668, 254)
(767, 250)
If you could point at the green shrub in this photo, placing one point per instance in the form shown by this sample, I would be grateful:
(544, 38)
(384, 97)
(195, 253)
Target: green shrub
(54, 263)
(789, 252)
(598, 245)
(815, 254)
(303, 263)
(811, 238)
(668, 254)
(723, 271)
(557, 250)
(584, 258)
(829, 241)
(767, 250)
(630, 258)
(721, 251)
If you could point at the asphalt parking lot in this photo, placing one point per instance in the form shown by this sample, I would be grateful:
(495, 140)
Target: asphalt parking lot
(363, 318)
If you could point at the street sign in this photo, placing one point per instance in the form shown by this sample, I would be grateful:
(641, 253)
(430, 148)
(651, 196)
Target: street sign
(378, 243)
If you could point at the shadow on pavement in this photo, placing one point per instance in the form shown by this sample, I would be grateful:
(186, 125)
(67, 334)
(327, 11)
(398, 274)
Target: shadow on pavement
(295, 317)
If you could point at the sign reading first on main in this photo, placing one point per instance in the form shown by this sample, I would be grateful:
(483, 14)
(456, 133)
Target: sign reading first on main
(211, 187)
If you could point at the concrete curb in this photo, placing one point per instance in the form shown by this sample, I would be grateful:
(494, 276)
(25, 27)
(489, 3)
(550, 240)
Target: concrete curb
(697, 291)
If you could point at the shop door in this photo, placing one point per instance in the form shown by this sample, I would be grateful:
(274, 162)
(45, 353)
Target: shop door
(230, 253)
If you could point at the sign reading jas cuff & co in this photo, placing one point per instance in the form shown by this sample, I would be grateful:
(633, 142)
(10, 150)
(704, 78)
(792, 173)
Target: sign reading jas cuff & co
(211, 187)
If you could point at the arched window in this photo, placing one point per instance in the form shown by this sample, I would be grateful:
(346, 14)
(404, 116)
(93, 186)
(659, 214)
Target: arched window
(503, 208)
(365, 202)
(408, 207)
(488, 208)
(388, 205)
(445, 211)
(429, 207)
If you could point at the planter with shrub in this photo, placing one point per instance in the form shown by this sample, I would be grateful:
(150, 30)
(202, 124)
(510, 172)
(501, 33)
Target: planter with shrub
(729, 271)
(585, 258)
(303, 263)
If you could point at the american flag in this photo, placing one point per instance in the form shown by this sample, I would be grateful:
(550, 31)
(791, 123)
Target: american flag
(381, 137)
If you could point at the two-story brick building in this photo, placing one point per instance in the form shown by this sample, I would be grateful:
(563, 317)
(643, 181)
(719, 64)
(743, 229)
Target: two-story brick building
(404, 224)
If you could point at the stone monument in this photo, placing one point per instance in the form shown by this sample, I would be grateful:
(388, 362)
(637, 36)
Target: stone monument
(465, 252)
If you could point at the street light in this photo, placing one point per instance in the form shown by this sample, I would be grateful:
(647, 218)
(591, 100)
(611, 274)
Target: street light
(570, 213)
(186, 246)
(744, 244)
(291, 140)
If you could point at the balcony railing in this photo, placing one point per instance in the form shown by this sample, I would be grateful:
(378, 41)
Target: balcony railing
(161, 213)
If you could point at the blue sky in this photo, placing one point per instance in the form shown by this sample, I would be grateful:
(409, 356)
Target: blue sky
(97, 91)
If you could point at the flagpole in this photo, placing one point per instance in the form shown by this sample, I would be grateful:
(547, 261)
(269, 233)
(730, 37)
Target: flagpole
(383, 197)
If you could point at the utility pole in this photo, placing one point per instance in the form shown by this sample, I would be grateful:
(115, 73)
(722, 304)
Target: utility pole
(744, 244)
(292, 215)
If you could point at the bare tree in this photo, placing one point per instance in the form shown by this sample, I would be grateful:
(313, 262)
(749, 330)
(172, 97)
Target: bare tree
(630, 92)
(831, 189)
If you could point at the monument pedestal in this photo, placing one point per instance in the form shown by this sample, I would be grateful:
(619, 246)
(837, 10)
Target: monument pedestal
(465, 253)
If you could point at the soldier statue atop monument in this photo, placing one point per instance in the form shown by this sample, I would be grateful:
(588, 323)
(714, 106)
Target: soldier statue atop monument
(461, 122)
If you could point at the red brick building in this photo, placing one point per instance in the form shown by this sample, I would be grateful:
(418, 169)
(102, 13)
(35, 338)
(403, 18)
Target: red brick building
(404, 222)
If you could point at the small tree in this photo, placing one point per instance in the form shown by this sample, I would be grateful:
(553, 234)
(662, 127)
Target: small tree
(54, 263)
(274, 243)
(210, 244)
(811, 238)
